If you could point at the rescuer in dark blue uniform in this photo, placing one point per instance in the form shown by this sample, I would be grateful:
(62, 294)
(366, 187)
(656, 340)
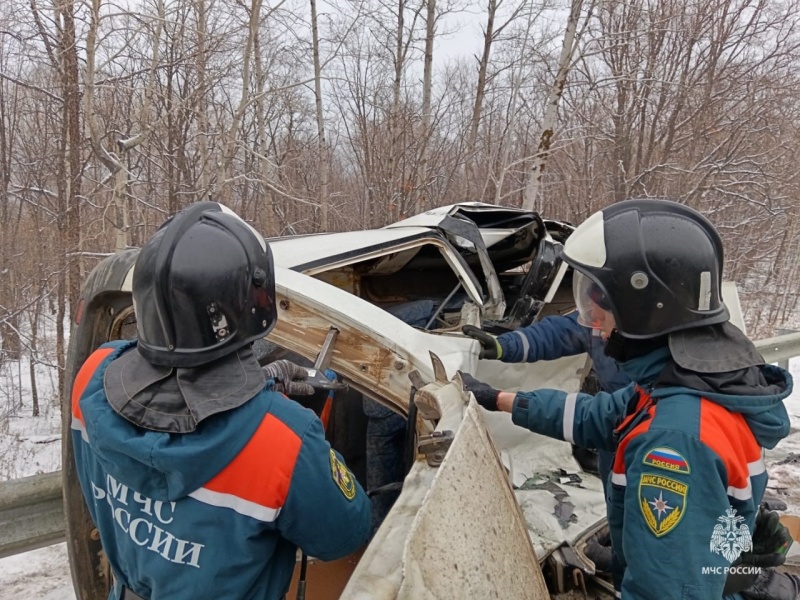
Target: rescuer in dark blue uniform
(689, 433)
(202, 478)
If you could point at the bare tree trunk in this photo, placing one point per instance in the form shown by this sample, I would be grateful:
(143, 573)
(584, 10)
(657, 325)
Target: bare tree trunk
(505, 145)
(322, 144)
(109, 160)
(10, 344)
(119, 174)
(202, 102)
(33, 352)
(551, 112)
(61, 314)
(232, 135)
(270, 226)
(427, 83)
(480, 92)
(74, 137)
(394, 116)
(65, 63)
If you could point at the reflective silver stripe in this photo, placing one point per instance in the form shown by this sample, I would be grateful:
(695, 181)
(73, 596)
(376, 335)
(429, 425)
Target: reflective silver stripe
(525, 347)
(240, 505)
(569, 416)
(757, 468)
(76, 425)
(744, 493)
(704, 295)
(619, 478)
(753, 469)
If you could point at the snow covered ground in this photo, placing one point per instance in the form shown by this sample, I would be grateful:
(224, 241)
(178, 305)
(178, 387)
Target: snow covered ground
(29, 446)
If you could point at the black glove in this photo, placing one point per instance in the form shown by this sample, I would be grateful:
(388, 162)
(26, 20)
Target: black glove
(485, 394)
(288, 376)
(771, 541)
(772, 585)
(490, 347)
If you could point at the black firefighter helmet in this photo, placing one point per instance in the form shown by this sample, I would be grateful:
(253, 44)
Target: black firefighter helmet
(203, 287)
(657, 264)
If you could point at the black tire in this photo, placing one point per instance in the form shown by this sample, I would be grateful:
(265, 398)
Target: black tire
(105, 313)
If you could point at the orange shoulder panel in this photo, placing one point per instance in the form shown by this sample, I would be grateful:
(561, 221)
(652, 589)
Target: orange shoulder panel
(619, 456)
(83, 378)
(262, 471)
(727, 434)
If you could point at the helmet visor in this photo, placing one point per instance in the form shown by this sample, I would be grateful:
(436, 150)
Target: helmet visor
(594, 308)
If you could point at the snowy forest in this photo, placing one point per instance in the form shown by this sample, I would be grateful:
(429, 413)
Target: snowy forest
(312, 116)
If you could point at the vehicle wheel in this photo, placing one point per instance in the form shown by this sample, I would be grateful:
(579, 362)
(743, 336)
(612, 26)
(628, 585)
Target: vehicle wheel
(105, 313)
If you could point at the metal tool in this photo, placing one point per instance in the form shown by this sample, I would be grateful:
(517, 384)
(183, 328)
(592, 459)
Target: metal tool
(316, 374)
(318, 380)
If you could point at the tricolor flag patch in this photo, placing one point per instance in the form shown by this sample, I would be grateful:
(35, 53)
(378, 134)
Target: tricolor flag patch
(668, 459)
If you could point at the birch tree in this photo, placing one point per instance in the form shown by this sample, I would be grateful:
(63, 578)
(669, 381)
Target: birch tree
(571, 40)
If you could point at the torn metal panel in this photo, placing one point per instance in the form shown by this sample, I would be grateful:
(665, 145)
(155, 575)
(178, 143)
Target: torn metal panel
(468, 527)
(440, 541)
(730, 296)
(379, 573)
(467, 230)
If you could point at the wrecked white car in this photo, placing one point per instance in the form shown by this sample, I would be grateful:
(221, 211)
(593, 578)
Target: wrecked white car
(486, 509)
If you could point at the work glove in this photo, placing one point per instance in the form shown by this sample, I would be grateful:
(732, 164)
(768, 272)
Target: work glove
(288, 378)
(771, 541)
(490, 347)
(772, 585)
(484, 394)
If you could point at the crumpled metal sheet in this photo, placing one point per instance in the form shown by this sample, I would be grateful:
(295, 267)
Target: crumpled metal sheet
(552, 517)
(469, 539)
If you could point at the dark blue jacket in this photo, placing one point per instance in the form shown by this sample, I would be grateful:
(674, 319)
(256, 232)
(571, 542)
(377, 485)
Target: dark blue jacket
(219, 512)
(562, 335)
(689, 471)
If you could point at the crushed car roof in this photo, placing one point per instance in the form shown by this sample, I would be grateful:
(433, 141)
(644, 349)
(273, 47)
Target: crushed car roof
(494, 223)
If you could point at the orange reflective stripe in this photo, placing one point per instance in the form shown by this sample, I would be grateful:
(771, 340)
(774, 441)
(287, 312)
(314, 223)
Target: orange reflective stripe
(83, 378)
(325, 415)
(728, 435)
(262, 471)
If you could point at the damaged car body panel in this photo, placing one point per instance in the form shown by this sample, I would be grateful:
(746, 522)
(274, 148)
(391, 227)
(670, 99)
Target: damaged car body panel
(373, 352)
(453, 529)
(464, 264)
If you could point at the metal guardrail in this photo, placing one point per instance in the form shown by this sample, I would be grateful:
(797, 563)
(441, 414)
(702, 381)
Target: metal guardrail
(31, 513)
(780, 349)
(31, 508)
